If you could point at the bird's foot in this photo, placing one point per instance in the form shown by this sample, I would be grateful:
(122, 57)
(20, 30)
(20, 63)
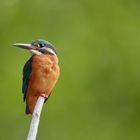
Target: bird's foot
(44, 95)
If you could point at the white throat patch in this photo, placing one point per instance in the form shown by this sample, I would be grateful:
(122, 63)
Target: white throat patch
(35, 52)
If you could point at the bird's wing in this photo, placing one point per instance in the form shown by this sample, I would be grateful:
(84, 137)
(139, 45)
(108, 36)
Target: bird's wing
(26, 75)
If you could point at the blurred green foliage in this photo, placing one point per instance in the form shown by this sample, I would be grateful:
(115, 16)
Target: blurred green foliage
(98, 93)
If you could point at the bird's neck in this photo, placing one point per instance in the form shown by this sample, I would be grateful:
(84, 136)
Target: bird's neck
(53, 58)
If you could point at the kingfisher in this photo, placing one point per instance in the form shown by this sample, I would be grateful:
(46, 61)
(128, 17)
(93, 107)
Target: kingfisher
(40, 72)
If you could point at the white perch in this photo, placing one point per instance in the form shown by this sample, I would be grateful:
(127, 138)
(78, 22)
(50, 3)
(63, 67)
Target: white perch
(35, 119)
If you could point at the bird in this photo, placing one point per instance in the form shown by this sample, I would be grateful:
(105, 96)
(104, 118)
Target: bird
(40, 72)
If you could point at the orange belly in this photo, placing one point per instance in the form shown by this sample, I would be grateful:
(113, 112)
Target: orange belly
(43, 77)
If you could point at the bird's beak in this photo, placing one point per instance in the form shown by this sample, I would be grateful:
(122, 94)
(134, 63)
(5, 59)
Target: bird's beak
(25, 46)
(33, 49)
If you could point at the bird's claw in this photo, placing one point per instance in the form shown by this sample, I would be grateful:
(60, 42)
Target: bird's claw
(44, 95)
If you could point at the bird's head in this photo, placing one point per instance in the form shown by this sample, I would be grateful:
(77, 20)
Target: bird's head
(38, 47)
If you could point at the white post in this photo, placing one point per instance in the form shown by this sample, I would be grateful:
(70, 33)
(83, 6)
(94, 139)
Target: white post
(35, 119)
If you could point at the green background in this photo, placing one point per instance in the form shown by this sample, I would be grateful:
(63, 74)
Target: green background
(98, 94)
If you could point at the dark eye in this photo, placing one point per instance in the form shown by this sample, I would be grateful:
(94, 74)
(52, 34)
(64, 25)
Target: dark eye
(41, 45)
(36, 44)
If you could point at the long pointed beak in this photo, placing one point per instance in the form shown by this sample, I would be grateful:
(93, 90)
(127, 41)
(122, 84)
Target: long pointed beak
(25, 46)
(31, 47)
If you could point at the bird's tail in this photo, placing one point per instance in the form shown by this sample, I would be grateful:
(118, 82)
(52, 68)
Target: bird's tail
(27, 111)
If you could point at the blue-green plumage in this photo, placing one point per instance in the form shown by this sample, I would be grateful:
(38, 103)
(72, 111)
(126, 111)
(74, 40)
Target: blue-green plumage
(26, 75)
(44, 43)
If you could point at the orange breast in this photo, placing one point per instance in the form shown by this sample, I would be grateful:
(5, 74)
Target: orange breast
(43, 77)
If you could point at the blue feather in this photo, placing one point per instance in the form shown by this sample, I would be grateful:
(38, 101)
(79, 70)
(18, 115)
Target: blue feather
(26, 75)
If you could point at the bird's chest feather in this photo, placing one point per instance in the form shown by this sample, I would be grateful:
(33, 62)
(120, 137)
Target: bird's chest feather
(42, 66)
(44, 73)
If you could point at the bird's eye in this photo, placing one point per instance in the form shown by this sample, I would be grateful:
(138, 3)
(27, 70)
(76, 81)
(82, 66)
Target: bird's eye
(41, 45)
(36, 44)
